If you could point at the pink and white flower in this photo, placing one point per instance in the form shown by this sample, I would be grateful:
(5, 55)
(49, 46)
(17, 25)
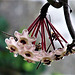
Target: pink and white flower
(12, 45)
(23, 38)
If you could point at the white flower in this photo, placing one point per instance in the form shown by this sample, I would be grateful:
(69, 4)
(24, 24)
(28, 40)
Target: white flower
(12, 45)
(60, 53)
(23, 38)
(29, 53)
(47, 58)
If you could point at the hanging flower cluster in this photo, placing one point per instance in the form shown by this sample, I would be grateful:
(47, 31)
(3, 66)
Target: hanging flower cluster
(26, 46)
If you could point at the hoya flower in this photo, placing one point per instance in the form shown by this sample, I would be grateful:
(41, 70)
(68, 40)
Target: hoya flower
(12, 45)
(23, 38)
(26, 46)
(27, 49)
(73, 50)
(29, 53)
(47, 58)
(32, 60)
(59, 53)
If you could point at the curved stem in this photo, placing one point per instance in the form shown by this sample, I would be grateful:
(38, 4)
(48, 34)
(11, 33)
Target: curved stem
(55, 4)
(49, 35)
(44, 10)
(68, 21)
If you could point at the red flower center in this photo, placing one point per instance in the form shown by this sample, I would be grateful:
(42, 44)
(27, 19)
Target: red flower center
(23, 42)
(46, 61)
(28, 55)
(13, 49)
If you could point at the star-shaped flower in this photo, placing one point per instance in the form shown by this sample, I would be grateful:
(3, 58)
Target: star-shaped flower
(12, 45)
(47, 58)
(29, 53)
(23, 38)
(60, 53)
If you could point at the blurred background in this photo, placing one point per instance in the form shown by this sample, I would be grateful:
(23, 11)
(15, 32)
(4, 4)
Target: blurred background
(15, 15)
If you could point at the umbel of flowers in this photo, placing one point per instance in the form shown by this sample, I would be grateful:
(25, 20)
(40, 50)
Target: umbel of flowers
(26, 46)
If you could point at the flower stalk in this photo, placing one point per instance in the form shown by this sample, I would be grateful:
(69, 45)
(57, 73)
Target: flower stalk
(67, 18)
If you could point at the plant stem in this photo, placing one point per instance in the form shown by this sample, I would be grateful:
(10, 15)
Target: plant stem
(55, 4)
(44, 10)
(67, 18)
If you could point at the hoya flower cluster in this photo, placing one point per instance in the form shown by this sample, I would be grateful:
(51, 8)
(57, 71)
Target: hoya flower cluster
(24, 46)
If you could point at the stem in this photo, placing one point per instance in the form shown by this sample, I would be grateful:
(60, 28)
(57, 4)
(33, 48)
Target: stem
(48, 47)
(37, 30)
(42, 37)
(68, 21)
(34, 30)
(44, 10)
(55, 4)
(49, 35)
(40, 32)
(7, 34)
(57, 37)
(33, 24)
(56, 30)
(38, 65)
(36, 33)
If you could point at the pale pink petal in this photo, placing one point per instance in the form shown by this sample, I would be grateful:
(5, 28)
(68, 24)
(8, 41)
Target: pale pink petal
(17, 34)
(24, 32)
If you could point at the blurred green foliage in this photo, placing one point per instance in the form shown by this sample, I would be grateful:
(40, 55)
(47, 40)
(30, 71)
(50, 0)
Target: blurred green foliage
(3, 27)
(26, 66)
(8, 61)
(56, 73)
(3, 24)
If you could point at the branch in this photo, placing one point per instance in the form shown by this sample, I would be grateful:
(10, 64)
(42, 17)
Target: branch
(55, 4)
(67, 18)
(44, 10)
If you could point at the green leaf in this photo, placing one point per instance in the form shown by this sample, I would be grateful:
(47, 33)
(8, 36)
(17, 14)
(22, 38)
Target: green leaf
(28, 66)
